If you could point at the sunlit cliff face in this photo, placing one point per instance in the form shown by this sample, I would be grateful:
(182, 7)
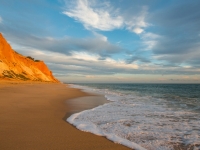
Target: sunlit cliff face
(14, 66)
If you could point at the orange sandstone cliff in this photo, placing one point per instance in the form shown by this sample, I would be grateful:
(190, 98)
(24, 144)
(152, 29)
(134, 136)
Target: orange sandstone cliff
(14, 66)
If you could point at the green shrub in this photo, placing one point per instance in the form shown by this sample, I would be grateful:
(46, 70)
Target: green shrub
(30, 58)
(12, 74)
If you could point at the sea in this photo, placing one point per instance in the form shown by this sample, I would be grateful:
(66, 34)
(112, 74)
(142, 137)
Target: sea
(144, 116)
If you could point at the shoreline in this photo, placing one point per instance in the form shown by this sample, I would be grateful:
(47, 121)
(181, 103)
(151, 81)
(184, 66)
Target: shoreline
(80, 104)
(32, 117)
(89, 126)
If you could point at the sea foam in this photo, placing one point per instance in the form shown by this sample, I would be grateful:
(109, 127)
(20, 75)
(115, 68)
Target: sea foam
(140, 122)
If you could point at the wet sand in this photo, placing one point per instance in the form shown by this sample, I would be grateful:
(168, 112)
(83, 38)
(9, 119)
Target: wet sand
(33, 116)
(84, 103)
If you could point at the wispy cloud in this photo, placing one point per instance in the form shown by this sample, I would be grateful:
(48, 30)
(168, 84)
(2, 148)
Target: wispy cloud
(1, 20)
(84, 56)
(105, 17)
(137, 22)
(96, 44)
(150, 40)
(95, 17)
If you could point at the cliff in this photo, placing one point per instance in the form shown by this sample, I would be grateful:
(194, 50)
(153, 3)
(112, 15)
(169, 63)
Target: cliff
(14, 66)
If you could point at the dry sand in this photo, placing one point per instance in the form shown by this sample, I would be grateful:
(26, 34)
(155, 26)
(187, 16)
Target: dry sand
(32, 116)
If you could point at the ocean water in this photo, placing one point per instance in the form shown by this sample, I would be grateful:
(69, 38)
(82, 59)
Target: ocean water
(145, 116)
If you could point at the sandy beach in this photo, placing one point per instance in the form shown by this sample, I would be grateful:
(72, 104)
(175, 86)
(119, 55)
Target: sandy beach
(33, 116)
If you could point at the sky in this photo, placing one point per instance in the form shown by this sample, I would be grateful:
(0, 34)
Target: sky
(108, 41)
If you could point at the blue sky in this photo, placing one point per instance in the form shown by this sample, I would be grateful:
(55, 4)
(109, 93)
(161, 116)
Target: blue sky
(127, 41)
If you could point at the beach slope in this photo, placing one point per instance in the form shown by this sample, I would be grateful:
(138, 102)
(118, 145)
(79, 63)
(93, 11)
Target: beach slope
(32, 116)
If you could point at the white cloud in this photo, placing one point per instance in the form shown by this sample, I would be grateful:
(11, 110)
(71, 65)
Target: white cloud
(149, 35)
(150, 40)
(137, 22)
(105, 17)
(138, 30)
(94, 17)
(120, 64)
(100, 36)
(85, 56)
(187, 67)
(90, 76)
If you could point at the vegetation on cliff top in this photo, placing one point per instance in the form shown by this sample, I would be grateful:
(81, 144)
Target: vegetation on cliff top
(31, 58)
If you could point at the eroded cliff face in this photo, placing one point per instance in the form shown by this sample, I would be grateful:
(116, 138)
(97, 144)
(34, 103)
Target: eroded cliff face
(14, 66)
